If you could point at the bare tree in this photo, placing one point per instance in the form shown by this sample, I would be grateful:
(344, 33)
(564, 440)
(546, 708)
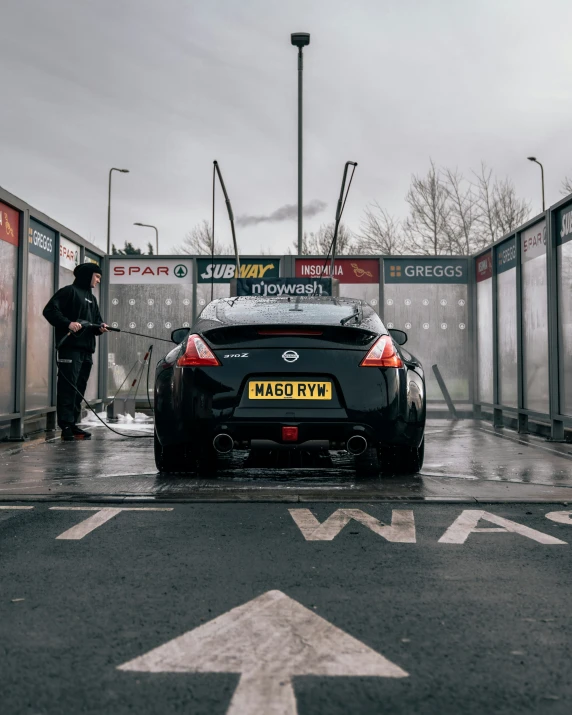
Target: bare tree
(425, 227)
(462, 214)
(319, 243)
(199, 241)
(510, 211)
(486, 205)
(566, 186)
(500, 210)
(380, 233)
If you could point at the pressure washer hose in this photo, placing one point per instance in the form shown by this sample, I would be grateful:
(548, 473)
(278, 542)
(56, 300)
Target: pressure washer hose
(85, 325)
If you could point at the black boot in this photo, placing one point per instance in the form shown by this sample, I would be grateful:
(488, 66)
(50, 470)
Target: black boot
(67, 434)
(80, 433)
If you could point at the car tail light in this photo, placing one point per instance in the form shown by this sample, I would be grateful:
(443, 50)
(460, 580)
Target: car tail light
(197, 354)
(382, 354)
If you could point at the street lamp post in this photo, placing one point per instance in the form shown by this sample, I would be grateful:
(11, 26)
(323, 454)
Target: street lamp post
(122, 171)
(300, 40)
(535, 160)
(149, 225)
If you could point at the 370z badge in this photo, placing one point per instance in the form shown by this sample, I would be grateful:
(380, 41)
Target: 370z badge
(233, 355)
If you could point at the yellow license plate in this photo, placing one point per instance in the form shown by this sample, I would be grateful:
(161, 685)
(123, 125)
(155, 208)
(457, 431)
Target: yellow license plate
(290, 390)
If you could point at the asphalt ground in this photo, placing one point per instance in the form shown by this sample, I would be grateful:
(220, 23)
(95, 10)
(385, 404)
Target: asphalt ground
(464, 461)
(479, 627)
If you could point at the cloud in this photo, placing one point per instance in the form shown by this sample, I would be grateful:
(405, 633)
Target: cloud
(288, 212)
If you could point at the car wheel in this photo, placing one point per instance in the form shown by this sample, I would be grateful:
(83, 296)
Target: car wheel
(367, 463)
(408, 460)
(170, 459)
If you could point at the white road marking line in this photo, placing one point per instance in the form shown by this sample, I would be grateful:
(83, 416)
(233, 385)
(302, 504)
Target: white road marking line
(402, 529)
(533, 445)
(268, 641)
(560, 517)
(92, 522)
(16, 507)
(466, 523)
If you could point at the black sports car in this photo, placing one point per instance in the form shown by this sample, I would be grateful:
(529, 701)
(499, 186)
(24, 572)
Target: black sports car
(289, 373)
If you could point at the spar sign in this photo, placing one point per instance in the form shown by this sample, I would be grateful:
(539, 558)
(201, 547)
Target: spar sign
(223, 270)
(159, 271)
(346, 270)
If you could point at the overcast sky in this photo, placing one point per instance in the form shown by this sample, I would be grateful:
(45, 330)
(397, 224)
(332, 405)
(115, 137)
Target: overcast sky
(163, 87)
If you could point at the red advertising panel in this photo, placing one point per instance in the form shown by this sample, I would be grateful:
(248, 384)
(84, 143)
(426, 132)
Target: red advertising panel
(9, 224)
(346, 270)
(484, 266)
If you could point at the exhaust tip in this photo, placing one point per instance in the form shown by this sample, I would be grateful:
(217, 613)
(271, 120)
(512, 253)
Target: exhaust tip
(356, 444)
(223, 443)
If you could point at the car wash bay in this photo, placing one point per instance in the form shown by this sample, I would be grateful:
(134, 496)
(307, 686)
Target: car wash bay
(294, 588)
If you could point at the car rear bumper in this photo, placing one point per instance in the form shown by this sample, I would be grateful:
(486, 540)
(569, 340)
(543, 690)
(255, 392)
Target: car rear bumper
(331, 433)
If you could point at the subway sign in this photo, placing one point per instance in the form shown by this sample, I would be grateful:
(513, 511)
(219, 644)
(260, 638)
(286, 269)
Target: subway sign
(223, 270)
(425, 270)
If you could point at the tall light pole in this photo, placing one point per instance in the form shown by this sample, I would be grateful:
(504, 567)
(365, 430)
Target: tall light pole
(149, 225)
(122, 171)
(535, 160)
(300, 40)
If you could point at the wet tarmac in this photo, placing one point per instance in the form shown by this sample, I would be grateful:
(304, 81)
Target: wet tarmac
(466, 461)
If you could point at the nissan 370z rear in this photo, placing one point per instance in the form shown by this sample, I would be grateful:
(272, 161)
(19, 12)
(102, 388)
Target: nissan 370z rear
(310, 373)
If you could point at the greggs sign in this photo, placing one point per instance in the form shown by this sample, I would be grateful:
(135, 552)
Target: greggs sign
(157, 272)
(346, 270)
(425, 270)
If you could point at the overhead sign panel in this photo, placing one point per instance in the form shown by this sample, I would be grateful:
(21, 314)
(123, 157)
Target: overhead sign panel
(346, 270)
(9, 224)
(41, 240)
(484, 266)
(533, 241)
(506, 255)
(159, 271)
(223, 270)
(284, 286)
(564, 225)
(69, 254)
(425, 270)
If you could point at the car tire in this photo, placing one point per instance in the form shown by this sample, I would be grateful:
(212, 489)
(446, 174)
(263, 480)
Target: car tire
(408, 460)
(170, 460)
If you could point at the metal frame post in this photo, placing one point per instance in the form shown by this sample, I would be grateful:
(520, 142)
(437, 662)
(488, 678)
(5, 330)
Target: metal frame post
(497, 411)
(103, 340)
(522, 417)
(17, 425)
(473, 338)
(556, 424)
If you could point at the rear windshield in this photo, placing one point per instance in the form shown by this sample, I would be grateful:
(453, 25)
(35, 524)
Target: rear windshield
(297, 311)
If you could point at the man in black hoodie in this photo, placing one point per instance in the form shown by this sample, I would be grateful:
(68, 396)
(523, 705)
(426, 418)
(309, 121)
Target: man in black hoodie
(69, 305)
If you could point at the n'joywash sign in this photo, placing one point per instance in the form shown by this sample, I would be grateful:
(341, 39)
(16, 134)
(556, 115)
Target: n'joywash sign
(151, 271)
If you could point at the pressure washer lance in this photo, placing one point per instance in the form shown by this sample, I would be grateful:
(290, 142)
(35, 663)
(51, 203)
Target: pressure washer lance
(97, 326)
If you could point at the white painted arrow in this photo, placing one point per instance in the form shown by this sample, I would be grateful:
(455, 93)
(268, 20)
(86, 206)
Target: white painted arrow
(268, 641)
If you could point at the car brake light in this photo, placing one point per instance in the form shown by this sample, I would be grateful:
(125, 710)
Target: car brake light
(289, 434)
(382, 354)
(197, 354)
